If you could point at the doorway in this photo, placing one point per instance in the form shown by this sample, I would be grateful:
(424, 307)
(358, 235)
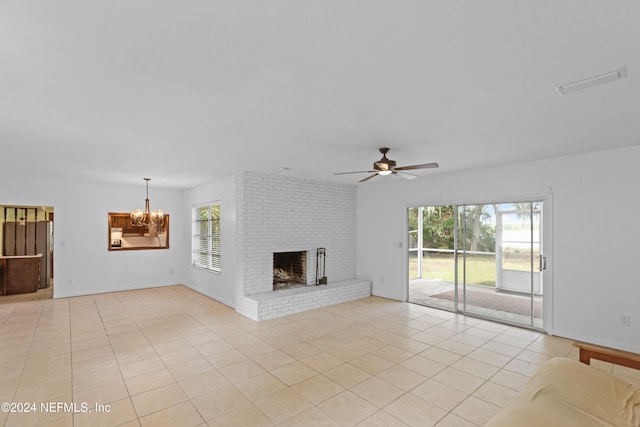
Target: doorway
(26, 253)
(484, 260)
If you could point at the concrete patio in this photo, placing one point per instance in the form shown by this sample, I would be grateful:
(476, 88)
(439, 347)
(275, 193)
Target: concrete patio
(423, 291)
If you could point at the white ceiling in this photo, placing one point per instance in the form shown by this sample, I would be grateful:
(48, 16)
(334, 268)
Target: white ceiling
(186, 92)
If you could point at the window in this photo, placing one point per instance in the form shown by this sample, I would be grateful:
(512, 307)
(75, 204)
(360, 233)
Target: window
(205, 245)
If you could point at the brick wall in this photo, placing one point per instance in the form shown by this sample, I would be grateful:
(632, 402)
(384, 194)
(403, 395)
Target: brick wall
(282, 214)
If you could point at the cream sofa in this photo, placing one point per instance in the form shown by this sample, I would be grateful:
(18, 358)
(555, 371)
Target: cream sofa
(567, 393)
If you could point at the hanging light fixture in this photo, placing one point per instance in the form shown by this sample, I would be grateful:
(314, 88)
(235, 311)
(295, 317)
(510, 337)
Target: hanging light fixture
(146, 218)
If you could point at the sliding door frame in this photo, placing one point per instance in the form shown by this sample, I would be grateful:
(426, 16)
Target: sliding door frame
(547, 251)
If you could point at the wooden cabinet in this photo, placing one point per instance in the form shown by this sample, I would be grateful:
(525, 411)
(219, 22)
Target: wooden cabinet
(124, 222)
(19, 274)
(30, 238)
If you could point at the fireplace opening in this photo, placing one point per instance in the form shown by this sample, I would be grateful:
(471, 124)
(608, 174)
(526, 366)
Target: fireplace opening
(289, 269)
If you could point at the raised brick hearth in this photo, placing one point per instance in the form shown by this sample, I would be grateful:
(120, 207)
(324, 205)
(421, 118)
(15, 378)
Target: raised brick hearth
(269, 305)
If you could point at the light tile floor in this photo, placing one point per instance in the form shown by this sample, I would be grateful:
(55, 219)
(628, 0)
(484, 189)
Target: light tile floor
(170, 356)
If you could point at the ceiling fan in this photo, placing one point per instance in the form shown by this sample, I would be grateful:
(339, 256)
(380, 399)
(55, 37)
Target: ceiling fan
(384, 166)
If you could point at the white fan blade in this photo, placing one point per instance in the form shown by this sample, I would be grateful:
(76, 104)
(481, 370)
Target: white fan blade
(406, 175)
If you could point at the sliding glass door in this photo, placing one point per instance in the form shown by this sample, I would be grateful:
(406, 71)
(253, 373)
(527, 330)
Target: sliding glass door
(432, 256)
(483, 260)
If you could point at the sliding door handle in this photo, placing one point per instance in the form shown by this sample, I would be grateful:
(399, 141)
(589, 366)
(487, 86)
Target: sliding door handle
(542, 262)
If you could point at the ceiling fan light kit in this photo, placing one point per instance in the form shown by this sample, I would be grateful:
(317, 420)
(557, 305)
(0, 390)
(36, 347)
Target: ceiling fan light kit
(385, 167)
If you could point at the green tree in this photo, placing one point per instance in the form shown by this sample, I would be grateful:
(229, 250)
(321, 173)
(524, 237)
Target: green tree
(480, 232)
(438, 227)
(438, 230)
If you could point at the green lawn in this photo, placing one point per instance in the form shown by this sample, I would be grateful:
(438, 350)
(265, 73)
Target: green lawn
(481, 269)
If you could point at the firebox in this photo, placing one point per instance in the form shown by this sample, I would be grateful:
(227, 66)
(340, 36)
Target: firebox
(289, 269)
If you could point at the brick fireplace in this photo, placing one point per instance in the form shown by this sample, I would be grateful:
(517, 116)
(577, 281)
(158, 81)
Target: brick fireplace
(289, 269)
(278, 215)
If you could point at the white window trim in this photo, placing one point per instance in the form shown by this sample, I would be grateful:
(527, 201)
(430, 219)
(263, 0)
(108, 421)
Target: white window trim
(195, 235)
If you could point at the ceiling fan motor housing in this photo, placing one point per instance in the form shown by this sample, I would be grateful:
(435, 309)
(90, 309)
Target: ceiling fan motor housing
(384, 164)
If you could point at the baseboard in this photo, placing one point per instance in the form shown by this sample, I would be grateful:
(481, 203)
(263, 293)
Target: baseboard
(597, 341)
(57, 295)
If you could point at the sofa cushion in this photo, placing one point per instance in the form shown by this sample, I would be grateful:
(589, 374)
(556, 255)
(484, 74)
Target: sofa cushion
(568, 393)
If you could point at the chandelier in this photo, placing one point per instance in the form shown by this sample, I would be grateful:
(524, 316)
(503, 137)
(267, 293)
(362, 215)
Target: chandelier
(146, 218)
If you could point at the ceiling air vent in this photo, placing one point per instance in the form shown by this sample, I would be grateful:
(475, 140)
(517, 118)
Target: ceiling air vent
(590, 81)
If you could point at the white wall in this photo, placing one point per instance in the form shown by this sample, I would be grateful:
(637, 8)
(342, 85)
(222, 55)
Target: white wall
(82, 263)
(220, 286)
(593, 276)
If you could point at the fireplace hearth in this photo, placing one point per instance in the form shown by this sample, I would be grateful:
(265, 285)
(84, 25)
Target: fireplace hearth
(289, 269)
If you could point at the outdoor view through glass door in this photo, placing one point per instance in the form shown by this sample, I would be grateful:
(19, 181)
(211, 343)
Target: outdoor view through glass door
(484, 260)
